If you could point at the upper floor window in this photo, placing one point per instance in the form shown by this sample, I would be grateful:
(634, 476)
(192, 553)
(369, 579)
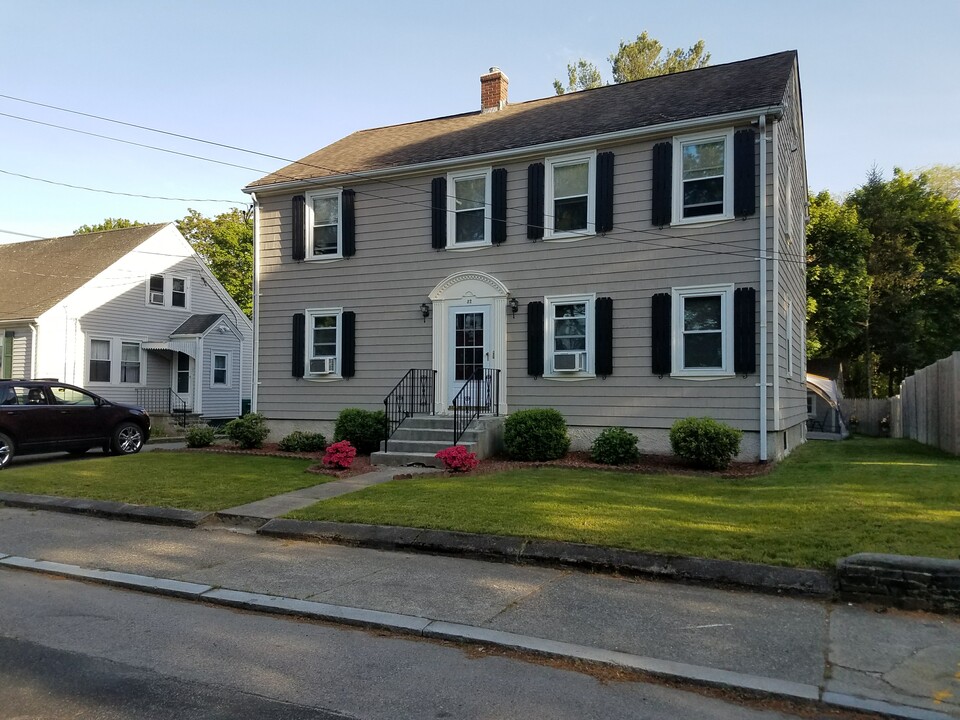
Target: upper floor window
(168, 291)
(323, 342)
(703, 330)
(569, 335)
(323, 225)
(703, 177)
(468, 208)
(570, 196)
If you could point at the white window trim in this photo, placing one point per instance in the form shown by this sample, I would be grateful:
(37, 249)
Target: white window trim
(116, 360)
(229, 374)
(310, 314)
(308, 215)
(168, 292)
(549, 303)
(487, 174)
(788, 310)
(678, 142)
(726, 309)
(548, 217)
(788, 208)
(90, 341)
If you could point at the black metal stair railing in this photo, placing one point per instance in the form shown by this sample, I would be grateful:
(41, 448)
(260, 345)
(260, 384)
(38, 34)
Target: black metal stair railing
(163, 400)
(479, 394)
(413, 395)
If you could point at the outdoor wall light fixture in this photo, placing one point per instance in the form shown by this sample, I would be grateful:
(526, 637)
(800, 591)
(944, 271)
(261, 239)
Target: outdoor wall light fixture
(513, 305)
(425, 311)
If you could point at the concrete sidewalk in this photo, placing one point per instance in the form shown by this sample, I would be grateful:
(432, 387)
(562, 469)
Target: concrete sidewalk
(906, 664)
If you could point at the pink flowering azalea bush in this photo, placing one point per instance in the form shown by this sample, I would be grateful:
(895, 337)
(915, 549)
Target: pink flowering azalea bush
(340, 455)
(458, 459)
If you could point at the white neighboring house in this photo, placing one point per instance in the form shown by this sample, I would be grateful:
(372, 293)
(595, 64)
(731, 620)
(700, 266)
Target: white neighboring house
(134, 315)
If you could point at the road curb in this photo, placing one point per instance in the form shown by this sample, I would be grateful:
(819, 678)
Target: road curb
(107, 509)
(455, 632)
(751, 576)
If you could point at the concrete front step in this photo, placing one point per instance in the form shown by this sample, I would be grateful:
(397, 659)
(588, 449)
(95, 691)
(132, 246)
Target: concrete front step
(424, 446)
(440, 436)
(405, 459)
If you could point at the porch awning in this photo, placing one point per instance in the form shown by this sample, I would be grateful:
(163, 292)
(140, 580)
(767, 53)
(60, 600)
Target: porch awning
(188, 347)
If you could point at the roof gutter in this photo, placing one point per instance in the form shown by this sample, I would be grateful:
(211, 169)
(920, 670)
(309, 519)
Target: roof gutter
(773, 111)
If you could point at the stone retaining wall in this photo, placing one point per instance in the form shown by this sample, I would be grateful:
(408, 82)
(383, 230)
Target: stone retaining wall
(912, 583)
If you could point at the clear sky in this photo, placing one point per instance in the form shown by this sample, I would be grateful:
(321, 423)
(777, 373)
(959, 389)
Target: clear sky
(880, 80)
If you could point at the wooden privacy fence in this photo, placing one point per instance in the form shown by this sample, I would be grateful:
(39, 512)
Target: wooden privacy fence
(928, 408)
(868, 414)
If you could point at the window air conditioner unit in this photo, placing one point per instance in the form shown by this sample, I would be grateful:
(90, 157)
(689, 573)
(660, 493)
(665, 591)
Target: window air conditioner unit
(569, 362)
(156, 298)
(323, 366)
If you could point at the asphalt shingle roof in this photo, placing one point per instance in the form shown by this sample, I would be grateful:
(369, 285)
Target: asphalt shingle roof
(733, 87)
(197, 324)
(37, 274)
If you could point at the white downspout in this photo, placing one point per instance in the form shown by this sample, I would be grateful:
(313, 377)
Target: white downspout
(255, 376)
(763, 288)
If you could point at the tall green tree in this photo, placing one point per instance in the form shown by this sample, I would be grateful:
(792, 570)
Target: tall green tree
(838, 285)
(226, 245)
(108, 224)
(644, 57)
(945, 179)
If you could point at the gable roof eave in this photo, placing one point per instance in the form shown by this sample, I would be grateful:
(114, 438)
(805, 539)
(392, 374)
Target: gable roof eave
(772, 111)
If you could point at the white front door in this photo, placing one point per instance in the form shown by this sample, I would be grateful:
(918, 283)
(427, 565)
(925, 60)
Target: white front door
(183, 378)
(470, 334)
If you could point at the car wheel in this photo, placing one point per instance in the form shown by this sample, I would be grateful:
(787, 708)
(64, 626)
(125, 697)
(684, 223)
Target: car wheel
(127, 439)
(6, 450)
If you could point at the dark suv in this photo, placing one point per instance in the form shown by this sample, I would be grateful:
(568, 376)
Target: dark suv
(38, 416)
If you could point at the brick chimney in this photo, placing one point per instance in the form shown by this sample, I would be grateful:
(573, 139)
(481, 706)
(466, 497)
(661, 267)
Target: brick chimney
(493, 90)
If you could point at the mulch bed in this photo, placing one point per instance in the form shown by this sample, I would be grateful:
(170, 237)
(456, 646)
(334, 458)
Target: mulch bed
(647, 465)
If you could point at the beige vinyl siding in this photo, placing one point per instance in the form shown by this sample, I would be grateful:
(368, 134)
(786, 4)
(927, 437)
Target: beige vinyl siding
(395, 268)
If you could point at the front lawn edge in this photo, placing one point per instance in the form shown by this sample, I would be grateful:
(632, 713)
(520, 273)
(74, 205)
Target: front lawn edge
(107, 509)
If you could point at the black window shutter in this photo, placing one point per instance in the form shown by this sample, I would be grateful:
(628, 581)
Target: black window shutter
(535, 338)
(348, 343)
(299, 338)
(438, 209)
(299, 227)
(660, 341)
(744, 331)
(744, 173)
(535, 202)
(498, 209)
(603, 316)
(662, 184)
(349, 223)
(604, 220)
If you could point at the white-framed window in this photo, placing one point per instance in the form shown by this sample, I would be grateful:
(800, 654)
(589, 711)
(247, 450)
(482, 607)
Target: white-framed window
(130, 362)
(569, 336)
(323, 342)
(570, 196)
(178, 292)
(703, 177)
(324, 229)
(468, 208)
(703, 331)
(99, 369)
(168, 291)
(155, 290)
(220, 367)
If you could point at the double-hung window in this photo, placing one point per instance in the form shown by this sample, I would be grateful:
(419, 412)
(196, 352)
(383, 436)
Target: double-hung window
(220, 369)
(468, 208)
(324, 230)
(130, 362)
(155, 291)
(569, 335)
(99, 361)
(178, 293)
(570, 197)
(168, 291)
(703, 177)
(703, 331)
(323, 342)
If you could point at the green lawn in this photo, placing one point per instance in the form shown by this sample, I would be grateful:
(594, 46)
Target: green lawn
(826, 501)
(188, 480)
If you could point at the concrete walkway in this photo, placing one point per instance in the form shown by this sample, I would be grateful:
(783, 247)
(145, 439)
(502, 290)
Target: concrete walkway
(278, 505)
(842, 656)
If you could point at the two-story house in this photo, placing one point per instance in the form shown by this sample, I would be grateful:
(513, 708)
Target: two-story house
(628, 255)
(133, 315)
